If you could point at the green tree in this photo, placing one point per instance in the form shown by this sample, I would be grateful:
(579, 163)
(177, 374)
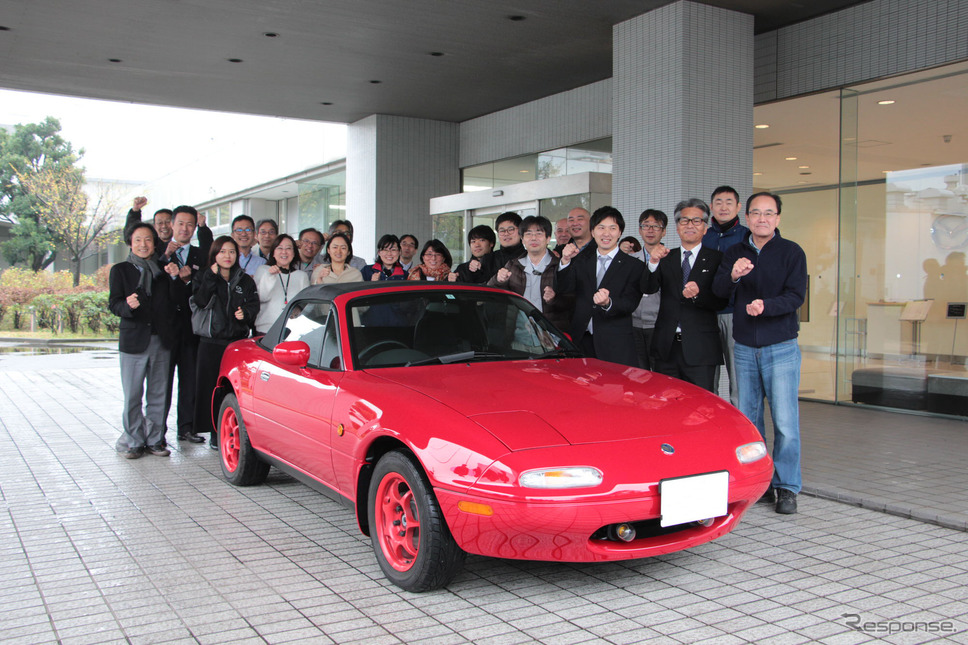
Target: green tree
(71, 218)
(27, 150)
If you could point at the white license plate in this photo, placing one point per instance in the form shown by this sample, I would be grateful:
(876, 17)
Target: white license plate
(693, 498)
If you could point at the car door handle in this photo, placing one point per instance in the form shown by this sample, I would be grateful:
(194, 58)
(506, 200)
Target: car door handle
(264, 376)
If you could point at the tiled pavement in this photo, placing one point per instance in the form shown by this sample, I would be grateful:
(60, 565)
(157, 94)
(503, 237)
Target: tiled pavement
(94, 548)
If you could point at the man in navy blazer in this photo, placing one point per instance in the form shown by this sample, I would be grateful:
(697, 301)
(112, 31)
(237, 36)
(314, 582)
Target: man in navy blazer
(606, 287)
(189, 259)
(686, 342)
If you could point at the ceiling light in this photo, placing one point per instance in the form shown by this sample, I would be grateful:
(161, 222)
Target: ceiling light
(886, 102)
(114, 60)
(524, 171)
(517, 18)
(761, 126)
(235, 60)
(803, 167)
(270, 34)
(790, 158)
(4, 28)
(757, 174)
(437, 54)
(376, 82)
(325, 102)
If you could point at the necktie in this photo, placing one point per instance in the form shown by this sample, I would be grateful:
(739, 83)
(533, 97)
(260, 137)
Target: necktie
(685, 268)
(182, 254)
(602, 268)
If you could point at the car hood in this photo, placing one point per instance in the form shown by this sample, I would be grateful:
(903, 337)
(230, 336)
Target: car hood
(528, 404)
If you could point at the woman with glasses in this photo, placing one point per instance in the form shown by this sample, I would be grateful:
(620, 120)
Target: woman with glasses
(278, 281)
(435, 261)
(387, 265)
(336, 267)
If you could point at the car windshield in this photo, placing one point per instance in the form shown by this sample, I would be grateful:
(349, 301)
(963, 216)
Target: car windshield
(409, 327)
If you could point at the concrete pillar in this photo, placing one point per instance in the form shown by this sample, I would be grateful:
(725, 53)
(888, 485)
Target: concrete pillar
(394, 165)
(682, 107)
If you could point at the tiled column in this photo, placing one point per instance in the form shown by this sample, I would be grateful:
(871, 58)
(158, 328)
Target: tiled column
(682, 102)
(394, 165)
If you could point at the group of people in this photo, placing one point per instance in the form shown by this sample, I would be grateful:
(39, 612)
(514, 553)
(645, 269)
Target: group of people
(728, 295)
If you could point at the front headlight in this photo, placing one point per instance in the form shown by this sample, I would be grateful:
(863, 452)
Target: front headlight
(573, 477)
(750, 452)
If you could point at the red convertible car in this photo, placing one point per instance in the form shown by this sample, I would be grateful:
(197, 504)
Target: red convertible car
(455, 419)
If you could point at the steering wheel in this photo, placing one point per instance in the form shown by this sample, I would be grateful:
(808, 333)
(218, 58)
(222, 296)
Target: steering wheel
(380, 346)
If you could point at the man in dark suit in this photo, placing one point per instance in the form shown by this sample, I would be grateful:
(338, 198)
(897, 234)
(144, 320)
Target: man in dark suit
(605, 282)
(685, 342)
(189, 260)
(163, 221)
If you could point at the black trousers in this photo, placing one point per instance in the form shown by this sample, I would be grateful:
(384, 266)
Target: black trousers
(184, 356)
(675, 365)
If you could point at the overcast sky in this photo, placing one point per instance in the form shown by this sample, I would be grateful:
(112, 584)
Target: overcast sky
(125, 141)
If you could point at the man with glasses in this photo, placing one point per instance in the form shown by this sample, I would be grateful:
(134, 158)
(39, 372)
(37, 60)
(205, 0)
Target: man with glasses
(685, 343)
(766, 276)
(652, 226)
(408, 249)
(725, 231)
(309, 244)
(243, 232)
(266, 232)
(508, 233)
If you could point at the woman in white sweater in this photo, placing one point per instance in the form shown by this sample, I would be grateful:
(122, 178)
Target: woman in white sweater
(277, 281)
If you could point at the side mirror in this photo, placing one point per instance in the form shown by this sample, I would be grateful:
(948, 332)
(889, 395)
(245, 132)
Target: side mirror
(294, 353)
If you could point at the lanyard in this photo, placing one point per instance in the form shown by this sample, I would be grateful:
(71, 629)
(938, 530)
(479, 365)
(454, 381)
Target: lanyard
(285, 288)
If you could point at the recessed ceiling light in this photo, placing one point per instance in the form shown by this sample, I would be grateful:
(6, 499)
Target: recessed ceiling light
(801, 182)
(761, 126)
(4, 28)
(235, 60)
(325, 102)
(524, 171)
(376, 82)
(886, 102)
(114, 60)
(270, 34)
(803, 167)
(885, 171)
(517, 18)
(437, 54)
(791, 158)
(757, 174)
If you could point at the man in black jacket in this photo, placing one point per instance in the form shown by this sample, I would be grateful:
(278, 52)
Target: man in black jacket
(606, 287)
(767, 277)
(189, 259)
(685, 342)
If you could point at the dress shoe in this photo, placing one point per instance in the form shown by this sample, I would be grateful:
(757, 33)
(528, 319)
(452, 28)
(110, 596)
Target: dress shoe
(190, 436)
(769, 497)
(213, 446)
(158, 450)
(786, 501)
(132, 454)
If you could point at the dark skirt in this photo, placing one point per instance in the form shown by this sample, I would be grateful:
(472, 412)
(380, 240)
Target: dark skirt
(210, 351)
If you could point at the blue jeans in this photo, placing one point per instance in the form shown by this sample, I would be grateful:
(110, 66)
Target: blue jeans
(774, 372)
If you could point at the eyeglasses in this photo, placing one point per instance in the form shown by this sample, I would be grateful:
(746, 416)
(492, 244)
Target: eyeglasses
(433, 254)
(691, 221)
(763, 214)
(651, 227)
(534, 234)
(507, 230)
(310, 243)
(243, 230)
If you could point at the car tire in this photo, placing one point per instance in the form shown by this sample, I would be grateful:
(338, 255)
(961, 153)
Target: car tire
(241, 466)
(410, 537)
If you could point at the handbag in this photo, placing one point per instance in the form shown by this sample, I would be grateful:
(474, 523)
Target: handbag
(202, 317)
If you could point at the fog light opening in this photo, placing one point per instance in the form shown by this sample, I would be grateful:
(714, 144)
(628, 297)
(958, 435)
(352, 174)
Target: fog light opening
(706, 522)
(621, 532)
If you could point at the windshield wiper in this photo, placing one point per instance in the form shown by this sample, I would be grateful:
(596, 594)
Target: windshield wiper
(458, 357)
(558, 352)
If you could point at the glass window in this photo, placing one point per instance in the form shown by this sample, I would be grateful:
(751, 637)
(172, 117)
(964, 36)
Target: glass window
(314, 323)
(592, 156)
(875, 190)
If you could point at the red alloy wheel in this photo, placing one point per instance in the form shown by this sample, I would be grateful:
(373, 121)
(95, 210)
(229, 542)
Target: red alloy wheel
(397, 522)
(229, 439)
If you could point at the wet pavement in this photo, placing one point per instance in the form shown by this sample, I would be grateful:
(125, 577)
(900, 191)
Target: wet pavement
(96, 548)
